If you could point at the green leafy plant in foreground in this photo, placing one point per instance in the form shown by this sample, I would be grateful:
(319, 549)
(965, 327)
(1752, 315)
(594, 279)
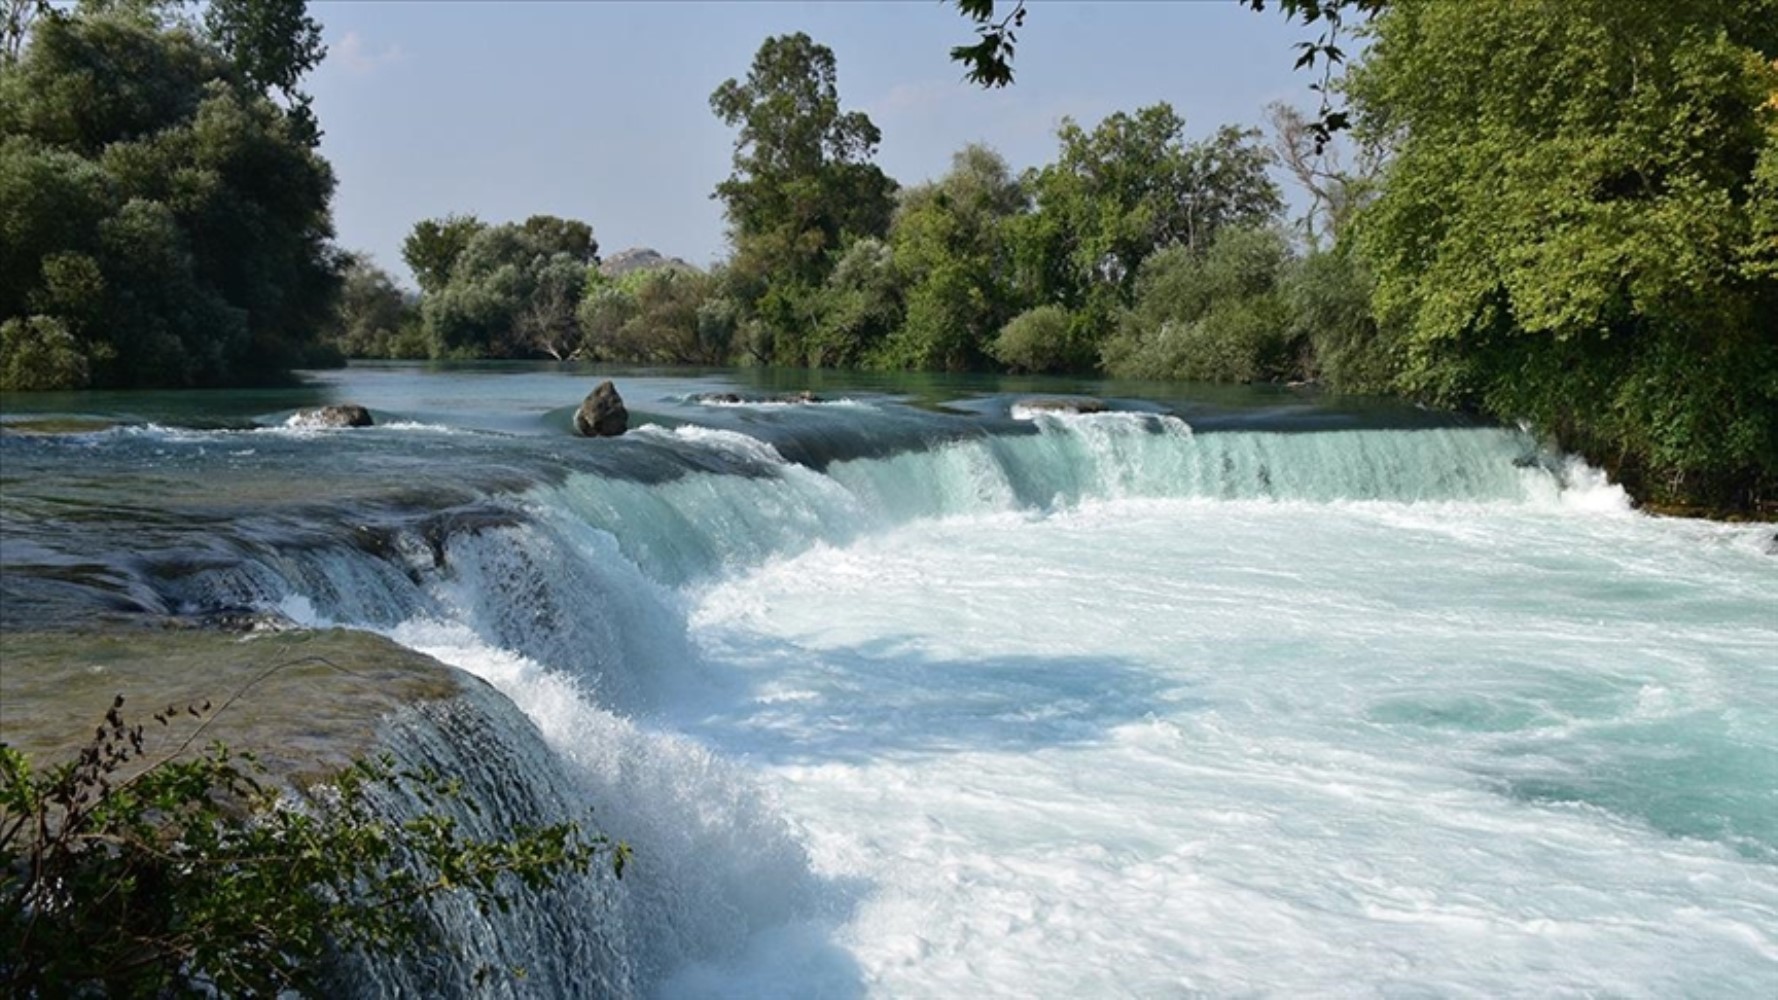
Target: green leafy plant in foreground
(126, 876)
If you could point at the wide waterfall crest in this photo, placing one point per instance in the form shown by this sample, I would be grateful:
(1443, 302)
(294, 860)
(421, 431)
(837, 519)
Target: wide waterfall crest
(565, 575)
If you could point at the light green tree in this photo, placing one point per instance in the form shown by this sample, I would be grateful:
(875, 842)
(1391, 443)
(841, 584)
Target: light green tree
(662, 315)
(1570, 229)
(1215, 316)
(1121, 192)
(375, 319)
(507, 291)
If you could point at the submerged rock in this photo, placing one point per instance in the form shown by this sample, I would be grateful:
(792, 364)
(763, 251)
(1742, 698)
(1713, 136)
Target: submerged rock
(602, 413)
(736, 399)
(340, 415)
(1060, 404)
(237, 619)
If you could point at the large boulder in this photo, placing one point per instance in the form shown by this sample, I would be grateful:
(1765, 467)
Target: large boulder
(342, 415)
(602, 413)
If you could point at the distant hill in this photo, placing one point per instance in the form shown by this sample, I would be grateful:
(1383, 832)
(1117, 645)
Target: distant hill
(640, 259)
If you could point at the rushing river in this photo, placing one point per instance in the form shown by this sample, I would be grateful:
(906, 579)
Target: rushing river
(913, 693)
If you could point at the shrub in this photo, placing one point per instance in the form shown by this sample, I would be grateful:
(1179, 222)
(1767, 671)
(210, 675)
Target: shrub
(1214, 316)
(1036, 340)
(125, 876)
(39, 352)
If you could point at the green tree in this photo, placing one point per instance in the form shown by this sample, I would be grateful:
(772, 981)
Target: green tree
(1570, 229)
(1121, 192)
(510, 291)
(375, 319)
(158, 206)
(1329, 299)
(951, 244)
(434, 245)
(802, 184)
(1037, 340)
(1215, 316)
(273, 45)
(860, 306)
(660, 315)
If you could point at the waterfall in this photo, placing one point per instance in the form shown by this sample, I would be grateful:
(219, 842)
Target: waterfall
(566, 587)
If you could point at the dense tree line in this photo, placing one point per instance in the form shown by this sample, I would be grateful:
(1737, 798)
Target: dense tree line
(835, 265)
(163, 211)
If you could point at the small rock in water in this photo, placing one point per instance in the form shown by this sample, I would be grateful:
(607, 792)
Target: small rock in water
(805, 396)
(342, 415)
(1060, 404)
(602, 413)
(719, 398)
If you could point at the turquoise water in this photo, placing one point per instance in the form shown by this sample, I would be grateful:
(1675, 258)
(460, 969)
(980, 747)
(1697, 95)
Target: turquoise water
(912, 693)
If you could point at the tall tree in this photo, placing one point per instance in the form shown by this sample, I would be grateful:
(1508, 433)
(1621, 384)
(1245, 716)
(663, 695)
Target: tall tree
(433, 246)
(374, 318)
(802, 184)
(273, 43)
(1569, 231)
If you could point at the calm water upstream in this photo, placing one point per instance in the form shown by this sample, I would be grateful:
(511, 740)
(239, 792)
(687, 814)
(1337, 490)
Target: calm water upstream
(914, 693)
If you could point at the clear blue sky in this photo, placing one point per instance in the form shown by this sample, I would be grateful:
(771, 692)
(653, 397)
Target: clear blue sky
(600, 111)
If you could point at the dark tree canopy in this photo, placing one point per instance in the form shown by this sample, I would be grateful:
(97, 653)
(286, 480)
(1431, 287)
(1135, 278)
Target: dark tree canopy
(165, 221)
(802, 188)
(434, 245)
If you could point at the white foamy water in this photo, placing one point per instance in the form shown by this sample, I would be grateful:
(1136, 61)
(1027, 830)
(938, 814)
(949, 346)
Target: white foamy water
(1169, 747)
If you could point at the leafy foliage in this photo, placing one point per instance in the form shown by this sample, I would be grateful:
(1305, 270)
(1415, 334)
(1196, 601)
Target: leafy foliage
(156, 204)
(1214, 316)
(989, 61)
(508, 291)
(130, 876)
(1571, 229)
(375, 318)
(434, 245)
(802, 186)
(1037, 340)
(665, 315)
(952, 246)
(1328, 296)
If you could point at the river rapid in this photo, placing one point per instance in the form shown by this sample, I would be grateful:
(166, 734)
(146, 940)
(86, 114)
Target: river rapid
(916, 692)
